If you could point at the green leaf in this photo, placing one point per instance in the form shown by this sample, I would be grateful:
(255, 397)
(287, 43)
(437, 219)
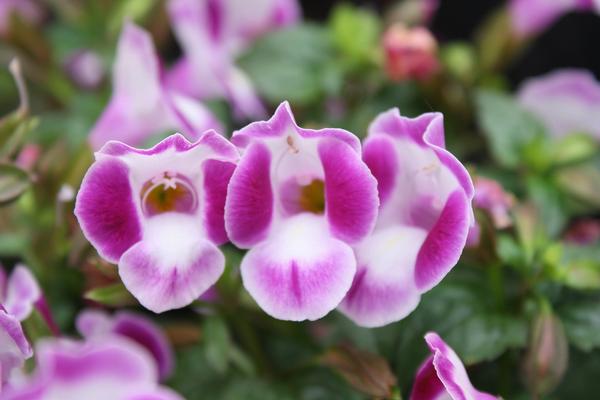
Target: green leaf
(574, 148)
(13, 183)
(581, 181)
(217, 343)
(295, 64)
(507, 127)
(115, 295)
(582, 323)
(355, 33)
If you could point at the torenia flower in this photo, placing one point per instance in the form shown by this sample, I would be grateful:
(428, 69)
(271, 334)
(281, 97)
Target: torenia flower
(533, 16)
(443, 375)
(297, 200)
(566, 101)
(212, 34)
(141, 105)
(98, 324)
(410, 53)
(19, 292)
(158, 213)
(115, 369)
(424, 217)
(14, 347)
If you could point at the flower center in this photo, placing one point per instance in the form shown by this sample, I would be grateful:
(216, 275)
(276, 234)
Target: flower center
(312, 197)
(303, 195)
(168, 192)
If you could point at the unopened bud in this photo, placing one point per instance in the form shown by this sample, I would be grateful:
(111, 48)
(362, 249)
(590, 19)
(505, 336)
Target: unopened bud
(410, 53)
(548, 354)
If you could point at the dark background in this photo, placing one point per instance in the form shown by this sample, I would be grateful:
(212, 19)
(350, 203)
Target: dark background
(573, 41)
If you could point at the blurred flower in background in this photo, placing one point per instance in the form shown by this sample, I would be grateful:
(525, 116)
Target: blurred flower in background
(141, 105)
(530, 17)
(410, 53)
(566, 101)
(86, 69)
(99, 324)
(93, 369)
(212, 34)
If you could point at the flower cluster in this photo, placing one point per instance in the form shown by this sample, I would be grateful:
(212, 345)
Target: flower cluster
(326, 223)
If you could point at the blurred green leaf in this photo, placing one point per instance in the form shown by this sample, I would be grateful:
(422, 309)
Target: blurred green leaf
(574, 149)
(582, 323)
(13, 183)
(581, 181)
(295, 64)
(355, 33)
(115, 295)
(550, 209)
(217, 343)
(507, 127)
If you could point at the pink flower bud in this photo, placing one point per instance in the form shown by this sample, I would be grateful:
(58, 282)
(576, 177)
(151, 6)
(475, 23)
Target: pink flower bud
(410, 53)
(491, 197)
(547, 357)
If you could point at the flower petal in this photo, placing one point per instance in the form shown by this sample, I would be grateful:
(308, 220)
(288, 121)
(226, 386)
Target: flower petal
(565, 101)
(140, 105)
(384, 289)
(22, 293)
(172, 266)
(136, 109)
(533, 16)
(105, 209)
(14, 347)
(379, 155)
(94, 370)
(217, 175)
(300, 272)
(282, 123)
(444, 243)
(98, 324)
(144, 332)
(249, 203)
(451, 371)
(350, 191)
(427, 385)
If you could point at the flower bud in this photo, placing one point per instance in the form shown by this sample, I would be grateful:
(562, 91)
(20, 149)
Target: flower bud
(410, 53)
(86, 69)
(547, 357)
(583, 232)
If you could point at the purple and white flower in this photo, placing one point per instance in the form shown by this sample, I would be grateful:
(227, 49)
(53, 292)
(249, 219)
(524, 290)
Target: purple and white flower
(566, 101)
(443, 375)
(116, 369)
(14, 347)
(158, 214)
(298, 199)
(212, 34)
(19, 292)
(98, 324)
(141, 105)
(424, 216)
(530, 17)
